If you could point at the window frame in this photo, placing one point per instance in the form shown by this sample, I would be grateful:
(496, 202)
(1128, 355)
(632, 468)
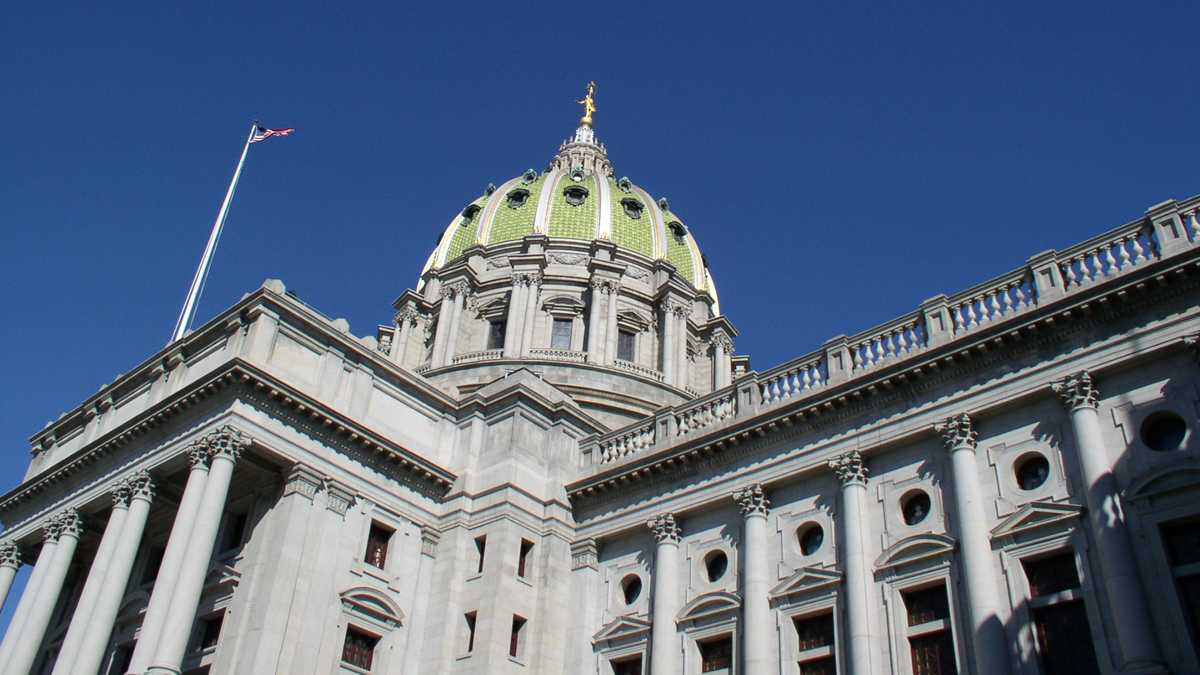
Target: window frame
(373, 657)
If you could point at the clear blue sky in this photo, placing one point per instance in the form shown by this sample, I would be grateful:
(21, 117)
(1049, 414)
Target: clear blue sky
(838, 164)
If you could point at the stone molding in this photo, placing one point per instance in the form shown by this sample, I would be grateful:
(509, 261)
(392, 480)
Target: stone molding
(958, 432)
(10, 555)
(1077, 391)
(849, 468)
(665, 529)
(752, 501)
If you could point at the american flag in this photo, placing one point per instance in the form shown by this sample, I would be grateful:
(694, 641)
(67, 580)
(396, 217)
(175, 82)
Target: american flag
(263, 133)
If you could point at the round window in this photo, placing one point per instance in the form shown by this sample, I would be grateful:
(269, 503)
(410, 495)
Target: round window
(715, 565)
(810, 537)
(1032, 471)
(914, 507)
(1164, 431)
(631, 588)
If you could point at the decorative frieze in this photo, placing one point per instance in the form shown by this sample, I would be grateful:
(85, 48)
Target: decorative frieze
(1077, 391)
(10, 555)
(957, 432)
(752, 501)
(585, 554)
(566, 258)
(850, 468)
(665, 529)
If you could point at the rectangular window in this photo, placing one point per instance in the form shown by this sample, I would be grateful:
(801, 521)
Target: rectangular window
(211, 631)
(516, 640)
(930, 640)
(716, 656)
(496, 330)
(153, 562)
(469, 620)
(560, 336)
(1060, 621)
(1182, 540)
(523, 559)
(235, 530)
(480, 549)
(626, 345)
(816, 653)
(359, 649)
(378, 539)
(630, 666)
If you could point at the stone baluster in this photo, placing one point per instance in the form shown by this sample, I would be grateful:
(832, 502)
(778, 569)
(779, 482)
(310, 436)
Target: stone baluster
(975, 550)
(1136, 641)
(224, 446)
(10, 563)
(92, 587)
(1194, 224)
(862, 634)
(29, 642)
(759, 633)
(50, 532)
(664, 640)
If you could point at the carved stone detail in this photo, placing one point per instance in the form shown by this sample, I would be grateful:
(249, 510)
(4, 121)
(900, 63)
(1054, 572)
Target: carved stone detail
(10, 555)
(957, 432)
(121, 494)
(429, 541)
(752, 501)
(408, 315)
(198, 454)
(665, 529)
(1077, 391)
(498, 263)
(337, 498)
(302, 481)
(636, 273)
(722, 340)
(585, 553)
(455, 289)
(140, 485)
(850, 468)
(605, 286)
(226, 441)
(566, 258)
(69, 524)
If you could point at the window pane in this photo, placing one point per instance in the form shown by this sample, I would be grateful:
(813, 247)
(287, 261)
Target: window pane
(1051, 575)
(933, 654)
(716, 656)
(1183, 542)
(816, 631)
(560, 338)
(1189, 597)
(377, 545)
(825, 666)
(496, 334)
(628, 667)
(1064, 640)
(359, 649)
(626, 349)
(926, 605)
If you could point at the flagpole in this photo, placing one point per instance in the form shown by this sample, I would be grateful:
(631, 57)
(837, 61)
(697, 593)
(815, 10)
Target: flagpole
(189, 305)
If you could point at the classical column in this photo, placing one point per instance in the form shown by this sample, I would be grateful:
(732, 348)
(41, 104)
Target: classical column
(722, 346)
(172, 560)
(224, 444)
(682, 373)
(975, 548)
(855, 533)
(406, 319)
(459, 289)
(664, 642)
(512, 323)
(50, 532)
(533, 282)
(25, 650)
(668, 343)
(441, 335)
(595, 345)
(95, 581)
(610, 324)
(108, 604)
(10, 562)
(418, 618)
(1136, 640)
(758, 630)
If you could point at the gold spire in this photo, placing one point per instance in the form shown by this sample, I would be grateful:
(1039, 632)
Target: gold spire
(589, 105)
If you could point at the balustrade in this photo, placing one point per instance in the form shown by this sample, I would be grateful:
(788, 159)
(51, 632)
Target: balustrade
(558, 355)
(992, 302)
(891, 343)
(705, 414)
(625, 443)
(472, 357)
(791, 379)
(1113, 255)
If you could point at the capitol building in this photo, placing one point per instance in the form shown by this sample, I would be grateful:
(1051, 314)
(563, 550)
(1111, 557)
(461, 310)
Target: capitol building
(553, 460)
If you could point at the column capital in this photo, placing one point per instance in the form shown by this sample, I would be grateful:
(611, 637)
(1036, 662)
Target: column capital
(456, 288)
(850, 468)
(69, 523)
(121, 495)
(407, 315)
(1077, 391)
(527, 278)
(752, 501)
(723, 341)
(337, 498)
(958, 432)
(10, 555)
(605, 286)
(429, 541)
(665, 529)
(303, 481)
(140, 486)
(585, 553)
(680, 309)
(225, 441)
(198, 454)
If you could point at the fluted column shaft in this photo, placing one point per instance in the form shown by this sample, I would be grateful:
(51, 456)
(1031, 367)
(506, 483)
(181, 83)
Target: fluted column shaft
(721, 370)
(95, 581)
(1136, 640)
(664, 640)
(172, 561)
(10, 563)
(975, 548)
(25, 650)
(531, 305)
(225, 444)
(455, 328)
(855, 533)
(610, 327)
(668, 345)
(595, 344)
(29, 597)
(758, 630)
(116, 579)
(682, 375)
(404, 327)
(512, 334)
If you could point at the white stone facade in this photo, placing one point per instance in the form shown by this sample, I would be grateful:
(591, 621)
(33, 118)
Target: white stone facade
(1002, 481)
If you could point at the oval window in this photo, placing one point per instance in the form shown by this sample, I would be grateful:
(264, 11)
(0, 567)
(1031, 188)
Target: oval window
(529, 176)
(1032, 471)
(517, 198)
(631, 588)
(810, 538)
(715, 565)
(632, 207)
(1164, 431)
(575, 195)
(914, 507)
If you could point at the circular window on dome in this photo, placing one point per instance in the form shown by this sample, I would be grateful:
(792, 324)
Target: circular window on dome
(1164, 431)
(633, 208)
(914, 507)
(517, 198)
(716, 563)
(631, 588)
(1031, 471)
(810, 537)
(575, 194)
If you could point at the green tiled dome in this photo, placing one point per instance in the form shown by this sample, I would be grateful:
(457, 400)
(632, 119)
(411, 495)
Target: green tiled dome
(571, 218)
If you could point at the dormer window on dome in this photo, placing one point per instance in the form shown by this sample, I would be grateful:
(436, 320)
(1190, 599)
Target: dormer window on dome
(469, 213)
(677, 229)
(633, 208)
(529, 176)
(517, 198)
(625, 184)
(575, 194)
(577, 174)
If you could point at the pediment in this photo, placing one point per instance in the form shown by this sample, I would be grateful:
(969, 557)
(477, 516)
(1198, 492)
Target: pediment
(805, 580)
(632, 319)
(628, 626)
(709, 605)
(1035, 515)
(1164, 481)
(914, 549)
(369, 602)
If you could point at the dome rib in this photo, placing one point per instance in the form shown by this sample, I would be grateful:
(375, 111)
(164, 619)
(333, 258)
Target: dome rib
(545, 199)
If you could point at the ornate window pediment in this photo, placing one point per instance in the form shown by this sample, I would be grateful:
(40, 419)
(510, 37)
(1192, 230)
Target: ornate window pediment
(1164, 481)
(633, 321)
(709, 605)
(563, 306)
(1035, 515)
(622, 627)
(368, 603)
(496, 309)
(913, 549)
(806, 580)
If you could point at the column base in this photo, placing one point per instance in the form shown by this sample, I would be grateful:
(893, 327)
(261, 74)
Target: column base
(161, 670)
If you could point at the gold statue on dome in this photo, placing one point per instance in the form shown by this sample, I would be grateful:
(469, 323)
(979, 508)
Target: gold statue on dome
(589, 104)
